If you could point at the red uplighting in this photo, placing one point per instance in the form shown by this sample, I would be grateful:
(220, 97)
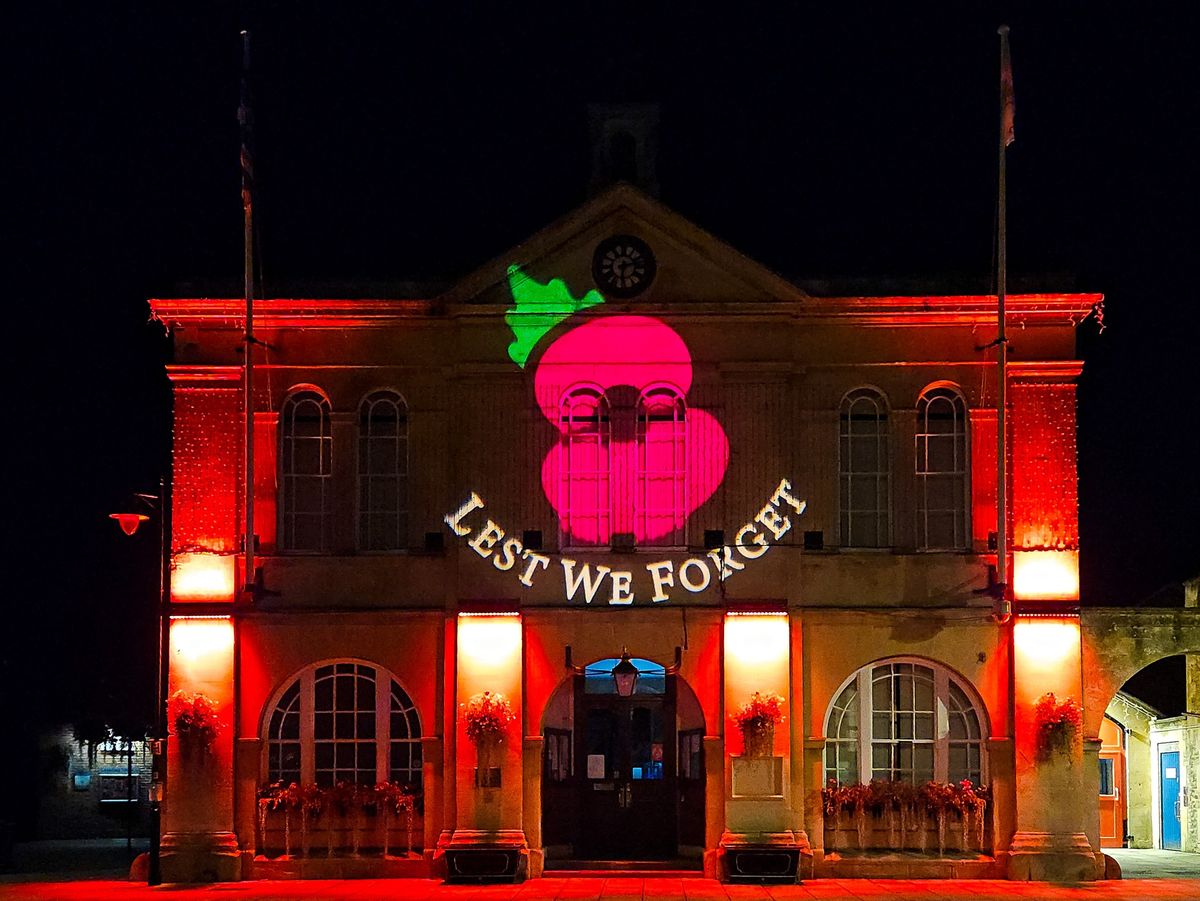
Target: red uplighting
(202, 577)
(129, 522)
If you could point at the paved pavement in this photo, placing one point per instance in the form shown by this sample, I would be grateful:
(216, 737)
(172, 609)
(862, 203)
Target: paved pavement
(613, 889)
(54, 860)
(1142, 863)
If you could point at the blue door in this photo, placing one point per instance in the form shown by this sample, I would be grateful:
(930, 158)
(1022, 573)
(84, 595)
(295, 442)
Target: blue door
(1168, 773)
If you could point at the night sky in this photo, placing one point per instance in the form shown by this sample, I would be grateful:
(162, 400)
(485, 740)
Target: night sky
(414, 141)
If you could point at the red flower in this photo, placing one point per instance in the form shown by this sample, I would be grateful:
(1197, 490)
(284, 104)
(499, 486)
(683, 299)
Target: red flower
(761, 710)
(487, 716)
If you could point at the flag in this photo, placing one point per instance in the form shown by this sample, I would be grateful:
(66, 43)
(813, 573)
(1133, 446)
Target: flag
(1008, 105)
(246, 123)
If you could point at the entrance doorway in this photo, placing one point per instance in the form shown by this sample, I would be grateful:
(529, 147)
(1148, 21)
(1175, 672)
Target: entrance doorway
(622, 777)
(1113, 802)
(1168, 771)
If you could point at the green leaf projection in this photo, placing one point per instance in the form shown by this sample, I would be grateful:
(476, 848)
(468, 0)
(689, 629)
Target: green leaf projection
(538, 309)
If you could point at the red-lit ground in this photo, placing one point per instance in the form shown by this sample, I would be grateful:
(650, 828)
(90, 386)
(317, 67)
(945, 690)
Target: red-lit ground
(613, 888)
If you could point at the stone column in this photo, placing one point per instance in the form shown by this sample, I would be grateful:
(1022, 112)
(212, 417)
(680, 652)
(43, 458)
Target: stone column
(1052, 802)
(1191, 598)
(759, 795)
(1091, 789)
(814, 815)
(198, 843)
(532, 805)
(431, 779)
(489, 823)
(247, 756)
(714, 803)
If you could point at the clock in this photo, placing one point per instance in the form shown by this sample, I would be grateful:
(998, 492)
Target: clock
(623, 266)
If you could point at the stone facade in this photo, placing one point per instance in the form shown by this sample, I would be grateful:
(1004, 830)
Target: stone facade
(760, 589)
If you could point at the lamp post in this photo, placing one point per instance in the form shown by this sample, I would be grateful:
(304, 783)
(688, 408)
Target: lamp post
(129, 522)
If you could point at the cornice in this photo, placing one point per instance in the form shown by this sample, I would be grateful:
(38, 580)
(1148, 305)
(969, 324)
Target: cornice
(1044, 372)
(946, 310)
(204, 376)
(287, 312)
(1060, 310)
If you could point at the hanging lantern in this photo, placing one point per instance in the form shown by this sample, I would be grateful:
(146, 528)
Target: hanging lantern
(129, 522)
(625, 675)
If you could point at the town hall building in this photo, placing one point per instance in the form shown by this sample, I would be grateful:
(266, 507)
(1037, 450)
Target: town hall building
(624, 548)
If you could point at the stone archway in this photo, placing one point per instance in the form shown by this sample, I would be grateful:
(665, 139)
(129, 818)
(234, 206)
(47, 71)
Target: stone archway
(1118, 642)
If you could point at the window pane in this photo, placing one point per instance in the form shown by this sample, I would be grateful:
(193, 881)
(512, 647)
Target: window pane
(324, 751)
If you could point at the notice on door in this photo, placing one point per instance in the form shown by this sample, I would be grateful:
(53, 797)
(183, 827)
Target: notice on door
(1171, 773)
(595, 766)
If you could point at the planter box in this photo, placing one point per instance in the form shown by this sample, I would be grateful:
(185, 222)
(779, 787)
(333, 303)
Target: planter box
(272, 841)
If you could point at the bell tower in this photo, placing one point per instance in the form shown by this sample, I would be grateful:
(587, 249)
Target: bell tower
(624, 139)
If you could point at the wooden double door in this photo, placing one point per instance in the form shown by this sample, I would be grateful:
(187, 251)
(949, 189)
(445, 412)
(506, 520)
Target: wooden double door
(620, 795)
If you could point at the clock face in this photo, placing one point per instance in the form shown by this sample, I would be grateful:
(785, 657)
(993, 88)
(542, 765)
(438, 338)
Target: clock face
(623, 266)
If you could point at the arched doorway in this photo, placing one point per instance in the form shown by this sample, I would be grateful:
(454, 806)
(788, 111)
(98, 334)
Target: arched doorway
(622, 776)
(1144, 740)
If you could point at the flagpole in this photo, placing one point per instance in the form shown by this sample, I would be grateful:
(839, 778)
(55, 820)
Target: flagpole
(247, 167)
(1006, 138)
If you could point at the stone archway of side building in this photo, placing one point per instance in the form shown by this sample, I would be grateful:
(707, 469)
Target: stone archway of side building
(623, 779)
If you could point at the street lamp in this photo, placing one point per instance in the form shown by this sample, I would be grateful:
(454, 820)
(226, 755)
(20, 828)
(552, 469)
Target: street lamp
(129, 522)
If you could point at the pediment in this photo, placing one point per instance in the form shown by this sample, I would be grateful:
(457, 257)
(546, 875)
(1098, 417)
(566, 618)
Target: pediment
(693, 266)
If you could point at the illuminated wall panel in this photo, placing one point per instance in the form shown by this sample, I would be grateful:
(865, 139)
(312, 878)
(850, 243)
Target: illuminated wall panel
(1045, 503)
(199, 795)
(489, 659)
(207, 460)
(203, 577)
(756, 660)
(1046, 575)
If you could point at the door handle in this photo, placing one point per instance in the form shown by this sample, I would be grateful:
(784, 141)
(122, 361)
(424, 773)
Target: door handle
(1178, 812)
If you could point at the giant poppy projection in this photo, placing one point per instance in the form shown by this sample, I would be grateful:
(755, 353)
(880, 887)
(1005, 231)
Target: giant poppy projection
(633, 460)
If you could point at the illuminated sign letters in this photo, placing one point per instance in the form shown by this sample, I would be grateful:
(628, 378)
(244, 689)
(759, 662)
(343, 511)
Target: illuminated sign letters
(597, 583)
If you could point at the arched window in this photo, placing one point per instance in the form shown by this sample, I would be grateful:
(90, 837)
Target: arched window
(306, 469)
(864, 470)
(661, 499)
(382, 472)
(344, 721)
(941, 470)
(904, 720)
(585, 490)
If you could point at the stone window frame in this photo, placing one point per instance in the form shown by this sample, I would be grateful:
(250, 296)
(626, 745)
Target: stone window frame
(364, 539)
(882, 475)
(291, 480)
(678, 473)
(958, 476)
(296, 698)
(862, 681)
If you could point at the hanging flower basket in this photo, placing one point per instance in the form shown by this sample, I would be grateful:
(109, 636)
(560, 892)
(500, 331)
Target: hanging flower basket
(756, 719)
(1058, 725)
(195, 720)
(487, 716)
